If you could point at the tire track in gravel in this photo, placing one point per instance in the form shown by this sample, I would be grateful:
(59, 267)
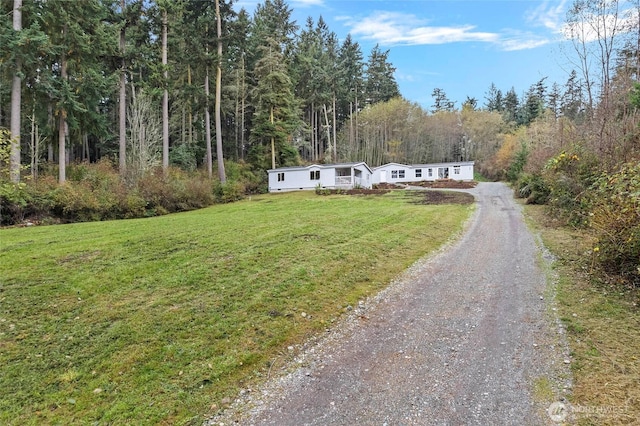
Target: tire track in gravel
(458, 340)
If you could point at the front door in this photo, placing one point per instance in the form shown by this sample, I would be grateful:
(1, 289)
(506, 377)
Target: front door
(383, 176)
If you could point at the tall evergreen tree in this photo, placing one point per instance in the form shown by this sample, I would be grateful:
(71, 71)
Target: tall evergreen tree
(75, 77)
(122, 98)
(239, 32)
(221, 172)
(553, 97)
(470, 104)
(22, 59)
(572, 103)
(534, 103)
(511, 106)
(351, 85)
(277, 114)
(495, 101)
(381, 84)
(440, 101)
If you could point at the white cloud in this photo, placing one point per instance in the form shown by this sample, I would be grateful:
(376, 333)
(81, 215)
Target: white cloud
(401, 76)
(591, 27)
(523, 43)
(307, 3)
(547, 15)
(392, 28)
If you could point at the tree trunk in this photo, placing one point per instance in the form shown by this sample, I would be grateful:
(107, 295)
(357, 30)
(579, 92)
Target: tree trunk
(357, 138)
(242, 113)
(85, 148)
(273, 144)
(34, 145)
(351, 136)
(221, 172)
(335, 136)
(314, 136)
(328, 127)
(122, 111)
(51, 124)
(62, 125)
(165, 97)
(190, 118)
(237, 115)
(16, 102)
(207, 125)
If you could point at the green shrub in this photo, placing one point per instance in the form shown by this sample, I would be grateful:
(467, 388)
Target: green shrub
(154, 188)
(533, 188)
(175, 191)
(568, 177)
(197, 192)
(255, 182)
(228, 192)
(73, 203)
(97, 192)
(14, 200)
(615, 217)
(185, 156)
(322, 191)
(517, 166)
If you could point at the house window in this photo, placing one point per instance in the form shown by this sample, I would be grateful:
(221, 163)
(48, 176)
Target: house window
(456, 170)
(315, 174)
(430, 172)
(401, 174)
(280, 177)
(394, 174)
(418, 173)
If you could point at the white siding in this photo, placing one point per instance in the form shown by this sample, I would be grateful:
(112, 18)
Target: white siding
(428, 172)
(359, 175)
(294, 179)
(395, 173)
(300, 178)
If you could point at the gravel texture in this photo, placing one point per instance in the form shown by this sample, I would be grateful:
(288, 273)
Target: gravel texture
(461, 338)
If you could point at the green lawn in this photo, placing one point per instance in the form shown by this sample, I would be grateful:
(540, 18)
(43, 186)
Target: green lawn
(154, 321)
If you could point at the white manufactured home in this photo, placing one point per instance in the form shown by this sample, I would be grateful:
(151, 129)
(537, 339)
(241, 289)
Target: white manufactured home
(402, 173)
(330, 176)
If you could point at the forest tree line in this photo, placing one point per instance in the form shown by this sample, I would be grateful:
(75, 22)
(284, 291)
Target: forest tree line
(132, 86)
(133, 81)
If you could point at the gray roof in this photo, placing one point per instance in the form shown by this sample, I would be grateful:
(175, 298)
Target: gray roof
(322, 166)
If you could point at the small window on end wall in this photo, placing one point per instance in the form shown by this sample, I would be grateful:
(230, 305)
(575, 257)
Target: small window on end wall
(315, 174)
(456, 170)
(418, 173)
(280, 177)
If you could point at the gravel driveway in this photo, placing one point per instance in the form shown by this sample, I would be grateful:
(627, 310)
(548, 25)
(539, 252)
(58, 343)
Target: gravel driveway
(461, 338)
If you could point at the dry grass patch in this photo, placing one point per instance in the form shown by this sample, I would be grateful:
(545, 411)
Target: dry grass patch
(603, 327)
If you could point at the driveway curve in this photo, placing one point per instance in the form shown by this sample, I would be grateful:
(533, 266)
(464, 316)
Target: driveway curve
(460, 339)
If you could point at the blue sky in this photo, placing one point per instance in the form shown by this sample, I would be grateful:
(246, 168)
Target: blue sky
(459, 46)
